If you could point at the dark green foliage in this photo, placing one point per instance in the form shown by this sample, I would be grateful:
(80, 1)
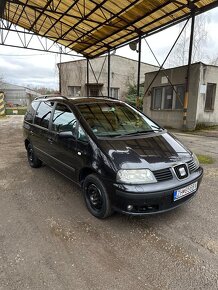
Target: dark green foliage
(132, 95)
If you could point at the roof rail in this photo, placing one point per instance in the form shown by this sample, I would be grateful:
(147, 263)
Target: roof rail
(50, 96)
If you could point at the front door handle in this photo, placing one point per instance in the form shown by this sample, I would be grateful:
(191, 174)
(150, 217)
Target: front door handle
(50, 140)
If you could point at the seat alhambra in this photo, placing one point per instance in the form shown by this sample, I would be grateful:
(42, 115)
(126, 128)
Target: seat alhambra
(122, 160)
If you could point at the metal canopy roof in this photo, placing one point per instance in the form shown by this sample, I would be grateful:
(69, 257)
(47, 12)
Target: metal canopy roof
(92, 27)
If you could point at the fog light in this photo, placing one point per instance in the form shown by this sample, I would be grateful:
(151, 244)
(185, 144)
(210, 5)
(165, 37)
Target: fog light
(129, 207)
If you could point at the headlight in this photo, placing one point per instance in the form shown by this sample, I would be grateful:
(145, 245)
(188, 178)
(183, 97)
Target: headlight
(135, 176)
(195, 158)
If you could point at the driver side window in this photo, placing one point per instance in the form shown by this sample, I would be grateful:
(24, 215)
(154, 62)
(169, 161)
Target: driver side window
(63, 120)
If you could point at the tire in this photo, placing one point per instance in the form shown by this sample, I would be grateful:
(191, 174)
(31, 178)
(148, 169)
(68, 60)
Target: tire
(33, 160)
(96, 197)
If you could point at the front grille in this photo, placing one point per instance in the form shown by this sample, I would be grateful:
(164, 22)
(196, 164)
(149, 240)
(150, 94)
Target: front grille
(192, 166)
(163, 174)
(181, 171)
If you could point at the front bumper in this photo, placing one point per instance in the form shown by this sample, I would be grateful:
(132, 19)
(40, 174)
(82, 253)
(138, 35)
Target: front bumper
(146, 200)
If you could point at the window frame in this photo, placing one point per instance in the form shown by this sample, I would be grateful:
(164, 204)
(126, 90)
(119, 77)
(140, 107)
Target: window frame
(28, 110)
(163, 90)
(73, 88)
(211, 109)
(77, 123)
(49, 122)
(112, 89)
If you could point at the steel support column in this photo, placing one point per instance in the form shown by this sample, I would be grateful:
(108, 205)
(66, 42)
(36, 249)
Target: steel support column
(109, 73)
(87, 76)
(139, 71)
(185, 107)
(60, 71)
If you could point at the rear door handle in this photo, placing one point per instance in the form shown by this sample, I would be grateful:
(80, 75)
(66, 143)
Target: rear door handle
(31, 132)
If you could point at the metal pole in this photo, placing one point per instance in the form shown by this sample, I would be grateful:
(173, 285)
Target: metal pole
(185, 107)
(60, 71)
(87, 76)
(109, 72)
(139, 71)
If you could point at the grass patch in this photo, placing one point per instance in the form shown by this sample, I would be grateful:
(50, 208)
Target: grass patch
(15, 111)
(205, 159)
(202, 126)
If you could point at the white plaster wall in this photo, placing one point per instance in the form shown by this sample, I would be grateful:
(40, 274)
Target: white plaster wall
(208, 74)
(123, 73)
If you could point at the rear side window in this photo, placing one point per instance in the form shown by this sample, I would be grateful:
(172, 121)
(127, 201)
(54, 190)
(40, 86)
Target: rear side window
(43, 114)
(31, 112)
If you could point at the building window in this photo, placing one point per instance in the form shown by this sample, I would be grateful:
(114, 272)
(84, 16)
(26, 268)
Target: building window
(180, 95)
(168, 97)
(94, 90)
(157, 98)
(74, 91)
(210, 97)
(114, 93)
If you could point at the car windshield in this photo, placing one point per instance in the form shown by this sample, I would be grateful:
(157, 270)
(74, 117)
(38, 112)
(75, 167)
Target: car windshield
(110, 119)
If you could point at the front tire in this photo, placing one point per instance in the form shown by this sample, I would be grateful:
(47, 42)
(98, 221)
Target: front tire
(33, 160)
(96, 197)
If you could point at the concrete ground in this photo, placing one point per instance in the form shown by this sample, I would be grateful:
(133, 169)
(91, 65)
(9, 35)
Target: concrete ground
(48, 240)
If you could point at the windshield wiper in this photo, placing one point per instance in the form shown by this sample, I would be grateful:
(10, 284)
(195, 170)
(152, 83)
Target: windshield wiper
(109, 135)
(142, 132)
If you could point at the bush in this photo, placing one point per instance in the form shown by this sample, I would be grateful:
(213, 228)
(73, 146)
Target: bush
(132, 96)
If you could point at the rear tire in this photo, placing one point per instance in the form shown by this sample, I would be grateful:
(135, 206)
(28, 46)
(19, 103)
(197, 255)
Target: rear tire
(96, 197)
(33, 160)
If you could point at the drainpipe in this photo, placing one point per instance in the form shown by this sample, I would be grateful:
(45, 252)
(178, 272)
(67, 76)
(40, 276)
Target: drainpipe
(185, 107)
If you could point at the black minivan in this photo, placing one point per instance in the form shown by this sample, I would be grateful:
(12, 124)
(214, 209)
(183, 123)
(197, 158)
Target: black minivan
(122, 159)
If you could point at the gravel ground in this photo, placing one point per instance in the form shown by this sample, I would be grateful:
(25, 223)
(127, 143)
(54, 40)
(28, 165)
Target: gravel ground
(48, 240)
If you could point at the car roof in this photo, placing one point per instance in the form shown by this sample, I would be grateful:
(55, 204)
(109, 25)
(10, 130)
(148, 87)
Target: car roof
(78, 100)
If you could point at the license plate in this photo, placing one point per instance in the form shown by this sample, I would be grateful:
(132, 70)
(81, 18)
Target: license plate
(182, 192)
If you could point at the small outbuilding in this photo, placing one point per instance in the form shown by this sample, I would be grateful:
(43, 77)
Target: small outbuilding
(17, 95)
(164, 100)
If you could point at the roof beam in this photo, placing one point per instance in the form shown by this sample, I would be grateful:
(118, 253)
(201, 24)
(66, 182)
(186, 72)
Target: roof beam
(85, 17)
(40, 14)
(62, 15)
(134, 22)
(108, 20)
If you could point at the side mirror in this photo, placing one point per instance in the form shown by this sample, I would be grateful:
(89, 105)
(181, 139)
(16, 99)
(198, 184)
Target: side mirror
(65, 135)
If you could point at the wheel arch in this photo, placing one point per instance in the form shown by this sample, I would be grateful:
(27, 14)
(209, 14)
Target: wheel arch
(26, 142)
(84, 172)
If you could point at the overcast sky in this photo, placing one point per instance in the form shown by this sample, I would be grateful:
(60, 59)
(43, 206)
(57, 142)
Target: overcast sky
(28, 67)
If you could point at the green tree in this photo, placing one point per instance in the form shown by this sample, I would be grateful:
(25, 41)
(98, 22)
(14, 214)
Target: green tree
(131, 97)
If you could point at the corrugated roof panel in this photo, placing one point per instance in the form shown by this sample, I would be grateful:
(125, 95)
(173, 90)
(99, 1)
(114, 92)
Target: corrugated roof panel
(92, 27)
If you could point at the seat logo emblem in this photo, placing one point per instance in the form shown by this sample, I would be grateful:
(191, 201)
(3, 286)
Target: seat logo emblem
(182, 171)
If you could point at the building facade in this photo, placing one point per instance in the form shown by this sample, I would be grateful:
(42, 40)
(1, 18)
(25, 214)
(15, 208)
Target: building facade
(123, 73)
(164, 100)
(17, 95)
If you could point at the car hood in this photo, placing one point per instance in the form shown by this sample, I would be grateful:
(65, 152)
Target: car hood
(154, 151)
